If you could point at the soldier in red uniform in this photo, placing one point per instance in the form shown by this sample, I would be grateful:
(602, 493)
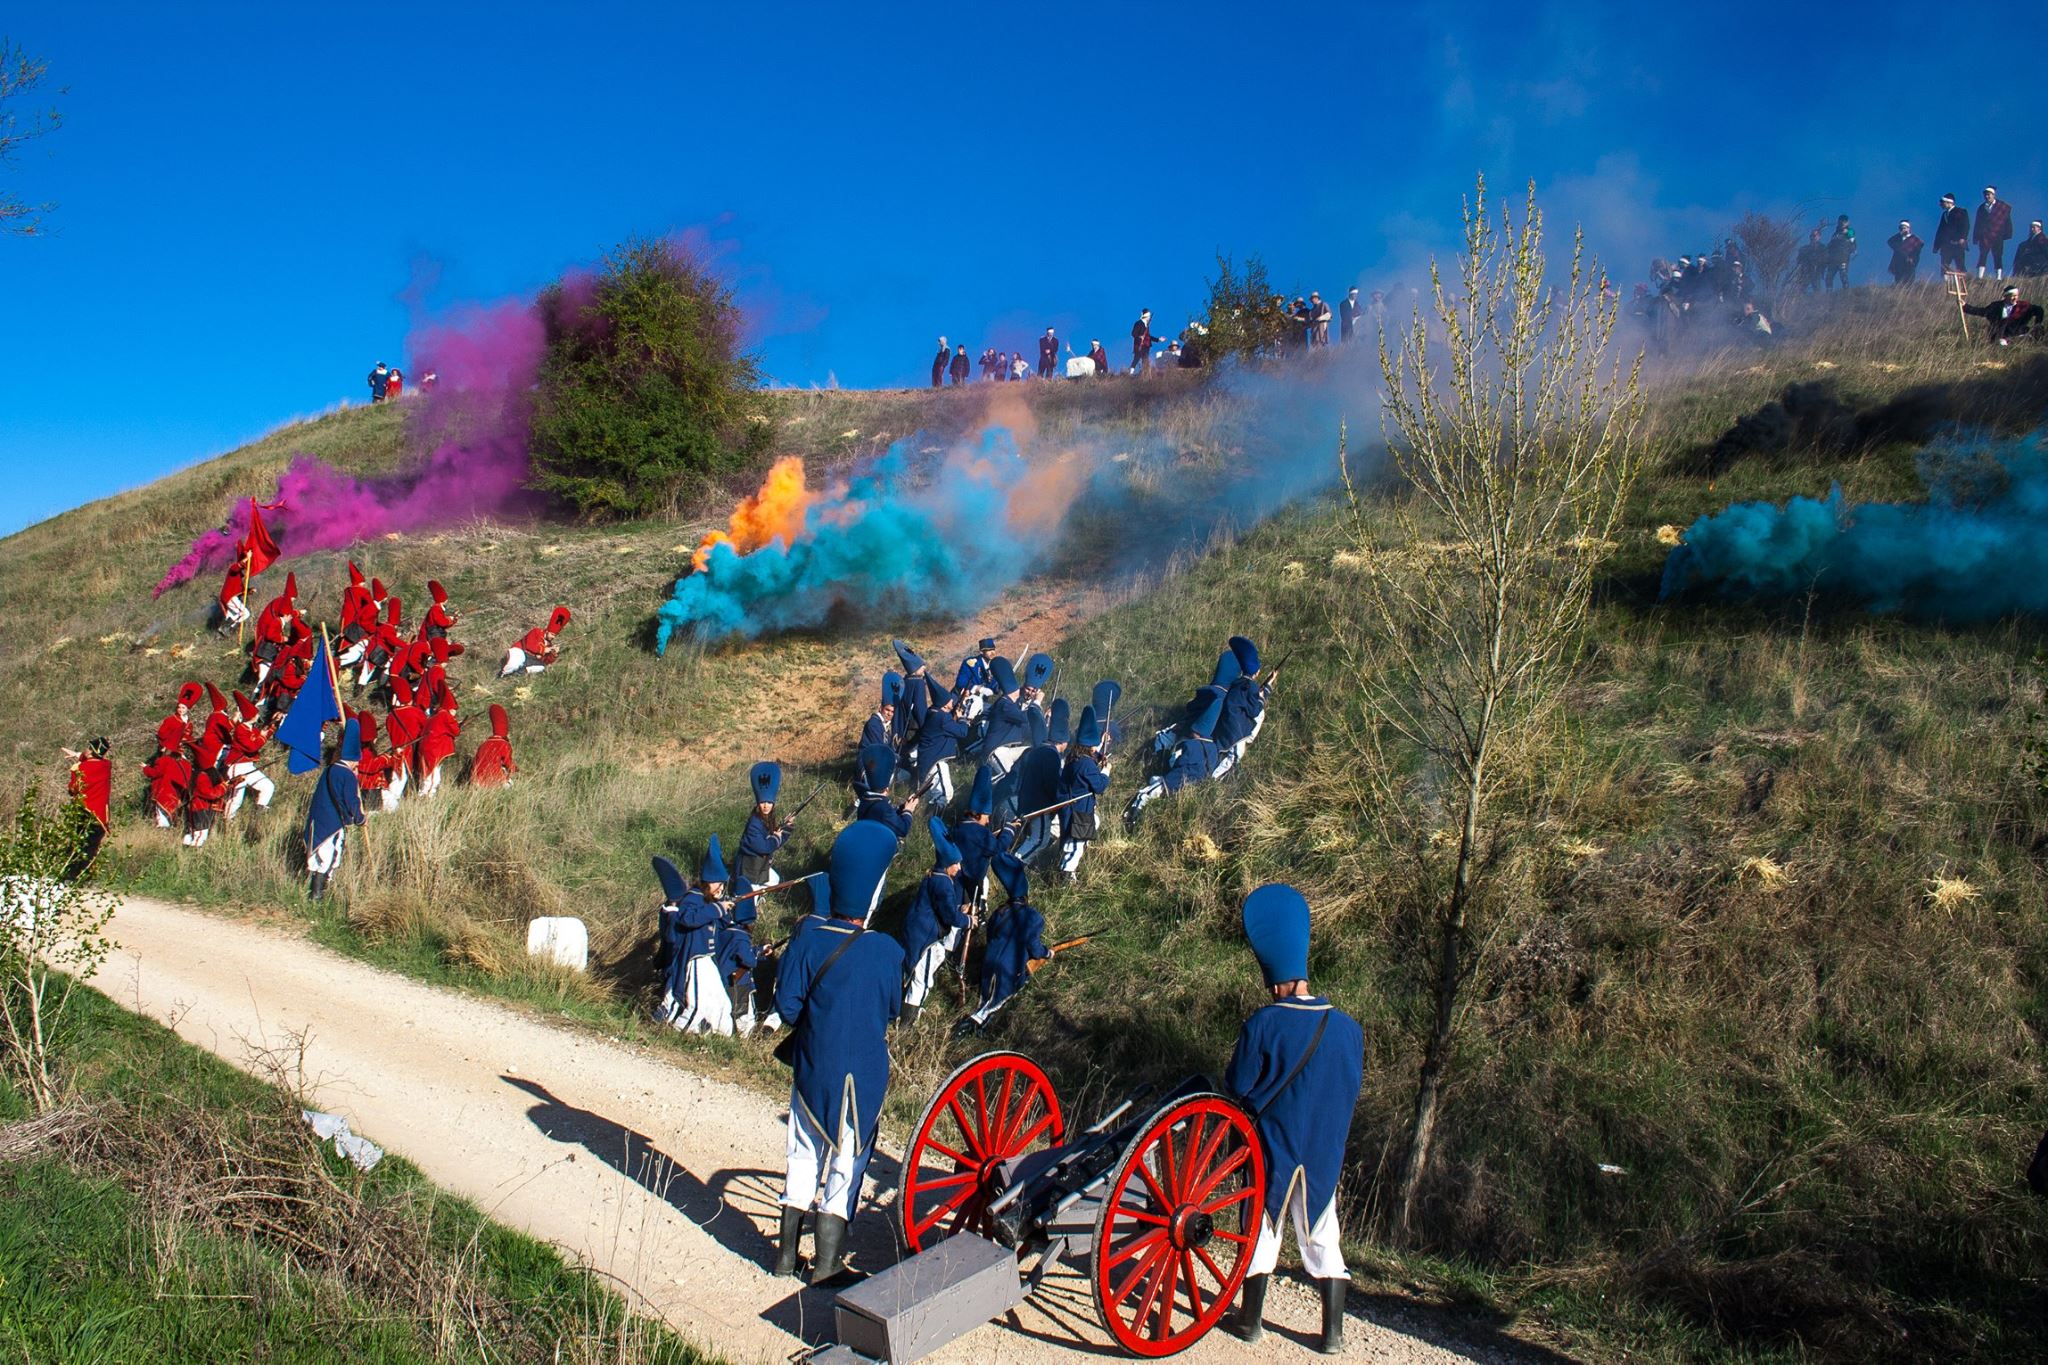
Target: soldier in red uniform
(278, 625)
(536, 649)
(493, 765)
(404, 723)
(245, 754)
(437, 744)
(386, 641)
(233, 609)
(176, 733)
(91, 785)
(209, 794)
(439, 621)
(169, 775)
(373, 772)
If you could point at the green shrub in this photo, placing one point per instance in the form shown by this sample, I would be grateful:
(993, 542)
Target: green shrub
(644, 390)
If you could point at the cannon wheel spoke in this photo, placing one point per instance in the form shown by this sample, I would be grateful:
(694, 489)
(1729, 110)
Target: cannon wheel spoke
(991, 1109)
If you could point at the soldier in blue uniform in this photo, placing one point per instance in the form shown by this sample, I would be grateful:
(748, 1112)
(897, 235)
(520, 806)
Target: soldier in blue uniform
(337, 804)
(1193, 761)
(734, 955)
(910, 711)
(934, 923)
(667, 938)
(1085, 776)
(881, 726)
(978, 840)
(877, 773)
(1297, 1070)
(1244, 704)
(1006, 733)
(1036, 786)
(769, 961)
(938, 742)
(763, 836)
(1016, 939)
(696, 1000)
(839, 988)
(975, 683)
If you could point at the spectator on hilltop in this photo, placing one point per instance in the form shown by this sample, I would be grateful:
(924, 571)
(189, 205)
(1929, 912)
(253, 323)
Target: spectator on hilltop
(2032, 256)
(380, 380)
(1906, 247)
(1100, 357)
(1020, 368)
(1951, 237)
(1841, 250)
(1993, 231)
(1141, 342)
(2011, 317)
(1348, 309)
(960, 367)
(1318, 320)
(939, 364)
(1812, 263)
(1048, 354)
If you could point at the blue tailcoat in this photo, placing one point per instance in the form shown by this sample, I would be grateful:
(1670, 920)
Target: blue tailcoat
(337, 803)
(1303, 1132)
(1241, 707)
(973, 673)
(1016, 936)
(939, 738)
(876, 731)
(760, 839)
(733, 951)
(1006, 724)
(934, 911)
(695, 918)
(878, 809)
(977, 845)
(1083, 776)
(842, 1048)
(1196, 763)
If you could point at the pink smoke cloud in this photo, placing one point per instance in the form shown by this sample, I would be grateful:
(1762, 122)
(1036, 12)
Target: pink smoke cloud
(469, 434)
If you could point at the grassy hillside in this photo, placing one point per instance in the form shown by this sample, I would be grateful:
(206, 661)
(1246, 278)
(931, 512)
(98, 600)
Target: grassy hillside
(1769, 933)
(190, 1215)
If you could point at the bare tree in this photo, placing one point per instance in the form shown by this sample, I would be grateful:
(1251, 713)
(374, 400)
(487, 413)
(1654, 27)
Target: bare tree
(1512, 426)
(52, 937)
(1771, 245)
(21, 76)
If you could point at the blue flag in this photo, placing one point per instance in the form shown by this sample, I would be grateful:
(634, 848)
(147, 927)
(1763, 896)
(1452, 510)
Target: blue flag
(315, 706)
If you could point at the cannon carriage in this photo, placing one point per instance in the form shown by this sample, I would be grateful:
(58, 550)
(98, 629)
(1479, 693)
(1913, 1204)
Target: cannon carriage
(1158, 1199)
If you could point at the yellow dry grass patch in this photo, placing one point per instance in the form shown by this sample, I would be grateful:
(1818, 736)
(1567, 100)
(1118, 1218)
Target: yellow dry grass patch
(1950, 894)
(1667, 534)
(1767, 872)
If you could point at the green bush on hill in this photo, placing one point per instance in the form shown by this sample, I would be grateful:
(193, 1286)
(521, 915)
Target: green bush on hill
(644, 390)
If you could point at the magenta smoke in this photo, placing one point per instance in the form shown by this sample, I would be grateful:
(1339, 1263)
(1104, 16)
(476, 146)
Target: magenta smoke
(469, 441)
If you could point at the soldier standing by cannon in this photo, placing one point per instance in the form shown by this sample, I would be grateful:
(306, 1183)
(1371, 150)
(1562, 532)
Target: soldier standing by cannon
(1297, 1070)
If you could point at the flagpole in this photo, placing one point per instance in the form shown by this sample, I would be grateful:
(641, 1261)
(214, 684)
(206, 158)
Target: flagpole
(247, 560)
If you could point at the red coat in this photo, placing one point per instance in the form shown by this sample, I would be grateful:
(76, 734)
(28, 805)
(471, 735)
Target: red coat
(248, 742)
(170, 778)
(403, 727)
(234, 584)
(438, 744)
(373, 770)
(357, 606)
(536, 645)
(493, 765)
(173, 732)
(92, 782)
(279, 621)
(208, 792)
(218, 734)
(1994, 224)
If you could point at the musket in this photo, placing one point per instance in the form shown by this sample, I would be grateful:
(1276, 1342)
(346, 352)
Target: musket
(772, 886)
(1062, 805)
(790, 819)
(1055, 950)
(1274, 676)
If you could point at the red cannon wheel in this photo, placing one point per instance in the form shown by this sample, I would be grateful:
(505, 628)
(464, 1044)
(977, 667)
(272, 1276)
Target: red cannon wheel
(998, 1106)
(1175, 1234)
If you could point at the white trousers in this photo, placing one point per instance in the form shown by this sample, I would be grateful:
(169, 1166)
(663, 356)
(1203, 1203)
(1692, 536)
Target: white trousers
(234, 611)
(431, 783)
(1035, 835)
(395, 788)
(196, 838)
(351, 655)
(989, 1006)
(1004, 758)
(821, 1173)
(706, 1006)
(1147, 794)
(515, 662)
(925, 970)
(325, 856)
(247, 777)
(163, 817)
(1071, 853)
(938, 783)
(1322, 1253)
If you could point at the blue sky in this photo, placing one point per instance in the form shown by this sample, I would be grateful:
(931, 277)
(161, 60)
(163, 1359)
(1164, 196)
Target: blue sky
(255, 202)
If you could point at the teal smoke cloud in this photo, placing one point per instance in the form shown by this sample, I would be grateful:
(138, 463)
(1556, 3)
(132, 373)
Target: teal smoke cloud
(1975, 549)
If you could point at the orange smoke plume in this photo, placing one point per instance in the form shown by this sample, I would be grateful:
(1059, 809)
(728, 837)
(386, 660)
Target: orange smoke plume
(776, 511)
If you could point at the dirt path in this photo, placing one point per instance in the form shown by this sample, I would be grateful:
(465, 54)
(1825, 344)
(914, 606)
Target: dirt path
(637, 1167)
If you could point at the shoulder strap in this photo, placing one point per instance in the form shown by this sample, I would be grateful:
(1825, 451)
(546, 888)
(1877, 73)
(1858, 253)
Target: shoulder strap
(826, 965)
(1294, 1075)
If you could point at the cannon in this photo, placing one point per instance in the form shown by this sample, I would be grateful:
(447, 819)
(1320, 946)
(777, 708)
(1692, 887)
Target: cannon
(1158, 1199)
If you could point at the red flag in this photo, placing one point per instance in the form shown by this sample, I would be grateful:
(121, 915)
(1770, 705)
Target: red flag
(257, 545)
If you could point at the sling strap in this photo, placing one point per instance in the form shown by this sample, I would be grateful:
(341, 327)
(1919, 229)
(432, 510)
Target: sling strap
(785, 1051)
(1295, 1075)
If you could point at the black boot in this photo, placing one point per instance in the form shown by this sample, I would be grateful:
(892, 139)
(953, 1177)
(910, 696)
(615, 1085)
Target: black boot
(1250, 1322)
(828, 1261)
(909, 1015)
(316, 888)
(1333, 1316)
(792, 1232)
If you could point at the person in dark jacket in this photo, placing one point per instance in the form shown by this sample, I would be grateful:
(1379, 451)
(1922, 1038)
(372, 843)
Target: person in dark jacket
(839, 988)
(1141, 342)
(1297, 1068)
(1100, 357)
(939, 364)
(1048, 354)
(2011, 317)
(380, 382)
(960, 367)
(1016, 940)
(1992, 232)
(1811, 263)
(1841, 250)
(2032, 256)
(1348, 309)
(1951, 236)
(1906, 247)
